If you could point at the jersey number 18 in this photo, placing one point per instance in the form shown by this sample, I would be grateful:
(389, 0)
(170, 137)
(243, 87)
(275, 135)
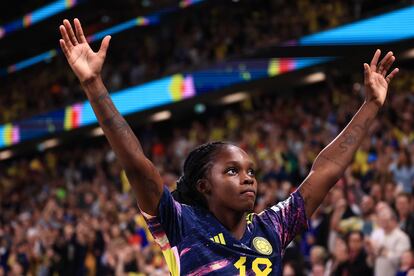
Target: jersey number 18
(241, 266)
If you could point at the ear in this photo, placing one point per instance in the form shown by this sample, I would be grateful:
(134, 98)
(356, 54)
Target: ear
(203, 186)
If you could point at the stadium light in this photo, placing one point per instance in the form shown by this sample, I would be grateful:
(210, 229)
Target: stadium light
(234, 98)
(315, 77)
(48, 144)
(161, 116)
(6, 154)
(97, 132)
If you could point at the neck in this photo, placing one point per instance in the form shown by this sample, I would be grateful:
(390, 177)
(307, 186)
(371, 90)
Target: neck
(235, 222)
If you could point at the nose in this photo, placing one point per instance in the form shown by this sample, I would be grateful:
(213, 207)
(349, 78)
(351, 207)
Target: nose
(248, 180)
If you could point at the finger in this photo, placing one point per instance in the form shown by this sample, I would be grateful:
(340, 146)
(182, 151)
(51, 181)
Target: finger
(367, 72)
(374, 60)
(65, 37)
(392, 75)
(383, 63)
(70, 32)
(388, 65)
(64, 47)
(79, 31)
(104, 46)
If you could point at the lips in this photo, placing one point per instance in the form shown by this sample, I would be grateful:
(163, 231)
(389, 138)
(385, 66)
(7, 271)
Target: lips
(249, 192)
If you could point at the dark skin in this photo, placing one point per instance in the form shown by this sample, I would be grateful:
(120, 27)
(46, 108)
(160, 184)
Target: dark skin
(230, 188)
(223, 189)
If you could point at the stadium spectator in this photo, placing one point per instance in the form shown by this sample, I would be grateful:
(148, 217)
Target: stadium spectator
(403, 171)
(337, 264)
(318, 258)
(406, 264)
(387, 243)
(358, 258)
(405, 212)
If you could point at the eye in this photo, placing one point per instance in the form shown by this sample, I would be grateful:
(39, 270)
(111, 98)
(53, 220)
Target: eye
(251, 172)
(231, 171)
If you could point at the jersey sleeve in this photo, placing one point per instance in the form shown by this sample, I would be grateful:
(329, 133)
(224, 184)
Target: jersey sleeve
(288, 218)
(167, 226)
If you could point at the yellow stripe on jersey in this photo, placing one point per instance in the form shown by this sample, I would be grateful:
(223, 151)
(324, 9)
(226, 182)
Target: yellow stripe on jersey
(216, 239)
(172, 262)
(221, 237)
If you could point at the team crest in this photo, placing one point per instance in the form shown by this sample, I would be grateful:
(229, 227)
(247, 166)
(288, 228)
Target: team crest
(262, 245)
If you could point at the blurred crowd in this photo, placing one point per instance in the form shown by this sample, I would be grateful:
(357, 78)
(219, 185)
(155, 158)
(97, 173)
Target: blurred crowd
(191, 38)
(69, 211)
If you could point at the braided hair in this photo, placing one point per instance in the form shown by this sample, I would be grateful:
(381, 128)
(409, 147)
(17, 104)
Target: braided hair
(196, 166)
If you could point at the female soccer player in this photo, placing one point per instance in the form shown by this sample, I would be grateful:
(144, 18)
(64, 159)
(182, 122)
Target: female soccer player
(208, 229)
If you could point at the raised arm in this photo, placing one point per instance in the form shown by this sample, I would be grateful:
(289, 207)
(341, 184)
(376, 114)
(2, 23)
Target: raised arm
(332, 161)
(87, 65)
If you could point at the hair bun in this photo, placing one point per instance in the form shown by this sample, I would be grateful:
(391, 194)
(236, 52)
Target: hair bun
(181, 190)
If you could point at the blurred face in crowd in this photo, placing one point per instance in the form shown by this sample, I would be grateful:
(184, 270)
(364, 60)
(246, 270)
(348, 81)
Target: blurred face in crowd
(16, 269)
(317, 255)
(288, 270)
(381, 206)
(115, 231)
(389, 193)
(376, 191)
(355, 242)
(318, 270)
(403, 158)
(386, 219)
(231, 182)
(367, 205)
(407, 259)
(337, 194)
(340, 250)
(402, 204)
(88, 198)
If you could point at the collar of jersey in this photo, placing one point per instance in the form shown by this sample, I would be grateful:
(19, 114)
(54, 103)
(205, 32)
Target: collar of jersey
(248, 232)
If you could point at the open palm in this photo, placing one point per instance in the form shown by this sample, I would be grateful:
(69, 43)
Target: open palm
(376, 79)
(85, 63)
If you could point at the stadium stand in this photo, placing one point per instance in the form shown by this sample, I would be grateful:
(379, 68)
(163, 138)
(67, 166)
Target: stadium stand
(203, 40)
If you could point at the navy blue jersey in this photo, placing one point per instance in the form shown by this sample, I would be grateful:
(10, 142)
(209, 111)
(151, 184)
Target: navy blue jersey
(194, 242)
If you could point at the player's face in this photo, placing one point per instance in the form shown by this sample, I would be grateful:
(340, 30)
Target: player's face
(232, 180)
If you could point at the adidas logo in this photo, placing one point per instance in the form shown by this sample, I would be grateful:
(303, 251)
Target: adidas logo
(219, 239)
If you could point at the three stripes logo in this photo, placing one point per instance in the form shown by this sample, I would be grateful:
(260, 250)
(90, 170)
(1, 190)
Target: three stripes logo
(219, 239)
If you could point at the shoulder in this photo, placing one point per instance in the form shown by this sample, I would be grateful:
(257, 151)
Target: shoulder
(294, 203)
(401, 234)
(286, 211)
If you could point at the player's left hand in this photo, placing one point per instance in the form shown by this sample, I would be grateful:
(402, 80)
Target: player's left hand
(376, 79)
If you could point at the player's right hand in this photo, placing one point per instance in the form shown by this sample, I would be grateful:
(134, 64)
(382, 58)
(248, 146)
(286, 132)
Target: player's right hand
(85, 63)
